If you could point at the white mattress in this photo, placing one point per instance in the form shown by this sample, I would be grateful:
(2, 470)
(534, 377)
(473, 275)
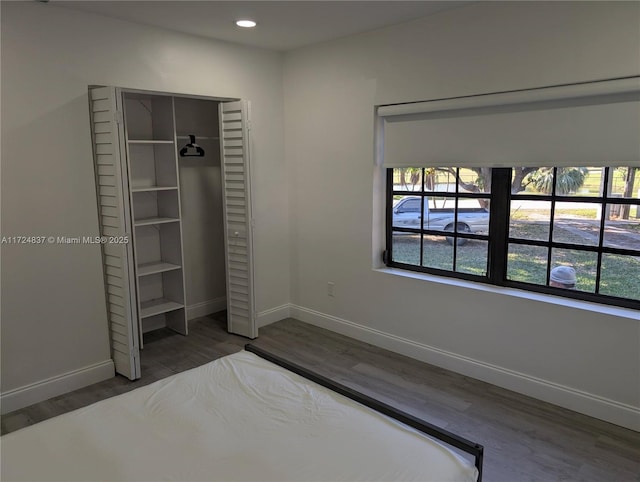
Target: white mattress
(237, 418)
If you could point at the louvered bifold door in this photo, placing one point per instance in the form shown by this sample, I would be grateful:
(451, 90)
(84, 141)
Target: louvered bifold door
(234, 126)
(114, 216)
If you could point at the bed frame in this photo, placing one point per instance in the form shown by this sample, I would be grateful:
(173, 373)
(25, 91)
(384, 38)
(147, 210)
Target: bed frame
(474, 449)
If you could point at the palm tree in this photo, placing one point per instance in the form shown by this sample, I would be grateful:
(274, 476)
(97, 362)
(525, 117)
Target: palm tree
(568, 179)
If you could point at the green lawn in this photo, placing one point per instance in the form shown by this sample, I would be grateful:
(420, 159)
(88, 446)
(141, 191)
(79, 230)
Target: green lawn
(620, 274)
(471, 258)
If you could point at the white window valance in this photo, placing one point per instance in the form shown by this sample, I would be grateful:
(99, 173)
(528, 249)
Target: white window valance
(595, 123)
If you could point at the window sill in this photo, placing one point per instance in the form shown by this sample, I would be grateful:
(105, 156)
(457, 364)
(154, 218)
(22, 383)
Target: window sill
(529, 295)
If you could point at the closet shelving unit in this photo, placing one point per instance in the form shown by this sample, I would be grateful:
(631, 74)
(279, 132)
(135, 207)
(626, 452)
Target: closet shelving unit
(154, 191)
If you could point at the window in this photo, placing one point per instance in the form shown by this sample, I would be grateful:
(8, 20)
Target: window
(471, 195)
(513, 226)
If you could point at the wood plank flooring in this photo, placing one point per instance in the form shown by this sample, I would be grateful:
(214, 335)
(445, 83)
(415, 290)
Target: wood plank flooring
(524, 439)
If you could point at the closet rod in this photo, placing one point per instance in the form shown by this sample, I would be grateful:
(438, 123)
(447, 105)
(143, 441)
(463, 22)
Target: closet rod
(200, 138)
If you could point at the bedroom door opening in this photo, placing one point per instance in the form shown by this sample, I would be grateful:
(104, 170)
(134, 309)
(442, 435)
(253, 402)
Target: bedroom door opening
(174, 196)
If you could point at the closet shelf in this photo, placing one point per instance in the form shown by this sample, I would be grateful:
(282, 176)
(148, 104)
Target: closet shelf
(154, 220)
(157, 307)
(153, 188)
(149, 141)
(156, 267)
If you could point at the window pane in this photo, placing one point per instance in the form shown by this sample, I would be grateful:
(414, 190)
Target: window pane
(624, 182)
(583, 262)
(579, 181)
(532, 180)
(622, 233)
(472, 257)
(527, 263)
(406, 248)
(438, 253)
(620, 276)
(440, 179)
(473, 216)
(577, 223)
(407, 179)
(530, 220)
(406, 212)
(440, 213)
(477, 180)
(444, 179)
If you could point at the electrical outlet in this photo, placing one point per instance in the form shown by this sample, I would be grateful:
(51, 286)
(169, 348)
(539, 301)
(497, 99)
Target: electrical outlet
(331, 287)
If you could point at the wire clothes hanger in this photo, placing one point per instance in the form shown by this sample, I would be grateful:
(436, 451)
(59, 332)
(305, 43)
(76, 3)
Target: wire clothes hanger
(192, 149)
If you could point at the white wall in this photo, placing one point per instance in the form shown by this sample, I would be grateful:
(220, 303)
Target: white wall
(53, 309)
(582, 359)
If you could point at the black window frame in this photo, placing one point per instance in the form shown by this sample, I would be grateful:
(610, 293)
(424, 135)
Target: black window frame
(499, 240)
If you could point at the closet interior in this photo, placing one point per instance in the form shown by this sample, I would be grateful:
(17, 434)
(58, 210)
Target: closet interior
(176, 206)
(173, 177)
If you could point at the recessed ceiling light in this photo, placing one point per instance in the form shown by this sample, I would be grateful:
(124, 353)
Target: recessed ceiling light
(246, 23)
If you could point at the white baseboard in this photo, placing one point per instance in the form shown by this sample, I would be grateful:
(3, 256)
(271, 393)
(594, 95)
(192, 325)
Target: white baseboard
(206, 308)
(54, 386)
(264, 318)
(586, 403)
(275, 314)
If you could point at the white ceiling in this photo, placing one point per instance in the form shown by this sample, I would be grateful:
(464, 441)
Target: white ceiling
(282, 25)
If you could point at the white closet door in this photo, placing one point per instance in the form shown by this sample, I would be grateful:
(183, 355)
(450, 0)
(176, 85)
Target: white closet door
(114, 215)
(234, 134)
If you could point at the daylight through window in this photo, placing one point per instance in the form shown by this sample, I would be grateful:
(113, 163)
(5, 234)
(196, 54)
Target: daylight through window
(573, 231)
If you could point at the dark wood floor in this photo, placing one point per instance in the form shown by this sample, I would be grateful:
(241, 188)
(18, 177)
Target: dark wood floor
(524, 439)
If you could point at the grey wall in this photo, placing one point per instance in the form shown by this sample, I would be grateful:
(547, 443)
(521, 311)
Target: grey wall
(575, 354)
(201, 202)
(53, 308)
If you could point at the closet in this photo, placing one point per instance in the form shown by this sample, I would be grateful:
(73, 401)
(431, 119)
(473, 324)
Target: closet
(174, 206)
